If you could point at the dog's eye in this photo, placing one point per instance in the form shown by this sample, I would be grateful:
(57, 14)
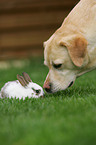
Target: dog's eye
(57, 65)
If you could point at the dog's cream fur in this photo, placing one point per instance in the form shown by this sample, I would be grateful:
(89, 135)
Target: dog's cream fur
(73, 45)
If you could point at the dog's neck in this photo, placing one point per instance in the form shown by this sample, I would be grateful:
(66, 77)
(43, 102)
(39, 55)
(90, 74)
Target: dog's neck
(91, 65)
(91, 50)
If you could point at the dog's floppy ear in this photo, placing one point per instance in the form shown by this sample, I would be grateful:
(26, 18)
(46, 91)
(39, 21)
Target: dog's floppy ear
(76, 47)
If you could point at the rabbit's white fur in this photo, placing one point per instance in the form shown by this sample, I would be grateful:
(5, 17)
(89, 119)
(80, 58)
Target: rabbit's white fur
(15, 89)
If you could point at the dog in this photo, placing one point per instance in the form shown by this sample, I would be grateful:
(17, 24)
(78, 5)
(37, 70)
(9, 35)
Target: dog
(71, 50)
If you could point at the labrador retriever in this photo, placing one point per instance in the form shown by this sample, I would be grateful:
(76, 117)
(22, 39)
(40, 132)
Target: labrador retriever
(71, 50)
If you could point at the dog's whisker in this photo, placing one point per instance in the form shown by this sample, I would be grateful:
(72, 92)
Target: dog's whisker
(57, 87)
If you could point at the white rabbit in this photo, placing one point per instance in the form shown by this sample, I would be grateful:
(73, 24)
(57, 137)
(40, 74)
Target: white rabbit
(21, 88)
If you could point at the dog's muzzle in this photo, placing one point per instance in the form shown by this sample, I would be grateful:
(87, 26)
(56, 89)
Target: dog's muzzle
(48, 88)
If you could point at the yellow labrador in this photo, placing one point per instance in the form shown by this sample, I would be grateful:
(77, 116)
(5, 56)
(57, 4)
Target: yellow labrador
(71, 50)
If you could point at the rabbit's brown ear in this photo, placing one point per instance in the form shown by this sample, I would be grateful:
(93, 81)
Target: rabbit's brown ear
(21, 80)
(26, 77)
(77, 49)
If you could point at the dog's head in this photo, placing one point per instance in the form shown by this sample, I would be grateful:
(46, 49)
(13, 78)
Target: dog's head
(66, 58)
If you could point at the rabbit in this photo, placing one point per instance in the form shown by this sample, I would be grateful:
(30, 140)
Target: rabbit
(21, 88)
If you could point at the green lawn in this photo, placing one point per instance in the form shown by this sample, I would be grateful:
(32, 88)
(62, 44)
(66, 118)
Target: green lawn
(64, 118)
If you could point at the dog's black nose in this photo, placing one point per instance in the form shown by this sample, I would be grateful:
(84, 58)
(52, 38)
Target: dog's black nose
(48, 88)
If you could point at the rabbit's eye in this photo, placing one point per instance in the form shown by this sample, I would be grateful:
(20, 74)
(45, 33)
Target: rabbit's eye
(36, 91)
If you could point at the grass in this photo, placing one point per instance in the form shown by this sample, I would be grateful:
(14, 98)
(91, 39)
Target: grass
(64, 118)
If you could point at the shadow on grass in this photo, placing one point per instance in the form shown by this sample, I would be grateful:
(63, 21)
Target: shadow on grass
(75, 92)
